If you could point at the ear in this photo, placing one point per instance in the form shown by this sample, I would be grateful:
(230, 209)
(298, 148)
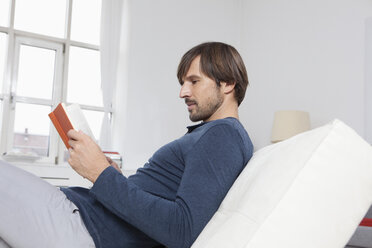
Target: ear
(227, 87)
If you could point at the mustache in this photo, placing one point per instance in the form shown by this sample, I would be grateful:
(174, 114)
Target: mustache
(189, 101)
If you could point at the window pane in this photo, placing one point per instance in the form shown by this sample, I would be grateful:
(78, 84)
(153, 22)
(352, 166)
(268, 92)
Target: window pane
(84, 79)
(85, 23)
(3, 38)
(4, 12)
(31, 128)
(41, 16)
(94, 118)
(35, 79)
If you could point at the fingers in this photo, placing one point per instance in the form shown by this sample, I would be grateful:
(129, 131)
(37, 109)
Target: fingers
(70, 160)
(76, 145)
(109, 160)
(72, 143)
(75, 135)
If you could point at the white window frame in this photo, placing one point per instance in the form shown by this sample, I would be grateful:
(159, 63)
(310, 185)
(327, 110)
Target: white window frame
(56, 95)
(16, 38)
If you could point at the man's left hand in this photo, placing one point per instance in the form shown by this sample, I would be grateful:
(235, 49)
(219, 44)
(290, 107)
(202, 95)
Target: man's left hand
(86, 157)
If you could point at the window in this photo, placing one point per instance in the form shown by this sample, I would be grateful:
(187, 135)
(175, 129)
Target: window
(85, 29)
(84, 73)
(3, 41)
(4, 12)
(49, 53)
(41, 17)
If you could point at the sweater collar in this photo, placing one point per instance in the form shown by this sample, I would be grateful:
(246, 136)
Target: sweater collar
(193, 127)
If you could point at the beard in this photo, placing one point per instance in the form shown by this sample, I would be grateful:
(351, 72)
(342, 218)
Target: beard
(204, 111)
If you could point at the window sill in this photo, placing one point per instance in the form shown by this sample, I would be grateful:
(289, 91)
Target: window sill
(61, 175)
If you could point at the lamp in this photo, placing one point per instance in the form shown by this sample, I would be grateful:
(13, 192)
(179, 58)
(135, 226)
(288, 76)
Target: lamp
(289, 123)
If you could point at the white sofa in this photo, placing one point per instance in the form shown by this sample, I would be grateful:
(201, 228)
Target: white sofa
(310, 191)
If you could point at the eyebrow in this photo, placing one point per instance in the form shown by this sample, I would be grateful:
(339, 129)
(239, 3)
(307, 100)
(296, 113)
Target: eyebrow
(191, 77)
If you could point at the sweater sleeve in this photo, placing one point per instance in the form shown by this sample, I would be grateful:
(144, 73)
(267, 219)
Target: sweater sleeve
(211, 167)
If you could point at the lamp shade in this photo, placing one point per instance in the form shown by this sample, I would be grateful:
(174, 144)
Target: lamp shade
(289, 123)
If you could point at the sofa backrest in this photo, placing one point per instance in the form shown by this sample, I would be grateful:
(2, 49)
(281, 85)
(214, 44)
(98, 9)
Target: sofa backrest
(311, 190)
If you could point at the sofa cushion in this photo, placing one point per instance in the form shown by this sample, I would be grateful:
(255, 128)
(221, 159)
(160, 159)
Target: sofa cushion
(311, 190)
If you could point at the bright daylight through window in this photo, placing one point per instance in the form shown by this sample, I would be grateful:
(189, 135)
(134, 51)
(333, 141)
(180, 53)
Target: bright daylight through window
(49, 53)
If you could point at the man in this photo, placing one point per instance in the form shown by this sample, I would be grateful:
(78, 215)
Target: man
(168, 201)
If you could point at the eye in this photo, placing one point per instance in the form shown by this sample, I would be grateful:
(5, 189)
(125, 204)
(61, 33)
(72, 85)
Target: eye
(194, 81)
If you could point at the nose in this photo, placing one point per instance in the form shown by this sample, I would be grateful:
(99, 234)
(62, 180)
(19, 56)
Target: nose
(185, 90)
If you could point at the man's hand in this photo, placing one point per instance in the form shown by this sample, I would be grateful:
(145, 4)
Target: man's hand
(113, 164)
(86, 157)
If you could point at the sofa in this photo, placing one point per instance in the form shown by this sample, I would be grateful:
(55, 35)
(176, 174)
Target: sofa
(309, 191)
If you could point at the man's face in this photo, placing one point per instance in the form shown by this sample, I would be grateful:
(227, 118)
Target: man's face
(201, 93)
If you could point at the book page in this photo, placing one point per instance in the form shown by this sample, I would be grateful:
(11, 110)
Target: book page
(78, 120)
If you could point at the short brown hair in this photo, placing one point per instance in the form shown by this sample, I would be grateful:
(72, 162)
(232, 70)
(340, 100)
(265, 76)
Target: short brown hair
(219, 61)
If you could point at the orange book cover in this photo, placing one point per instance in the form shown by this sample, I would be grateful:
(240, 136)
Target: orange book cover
(69, 117)
(61, 122)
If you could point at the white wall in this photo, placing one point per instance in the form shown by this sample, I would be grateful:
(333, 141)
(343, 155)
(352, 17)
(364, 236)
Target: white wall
(160, 32)
(368, 81)
(306, 55)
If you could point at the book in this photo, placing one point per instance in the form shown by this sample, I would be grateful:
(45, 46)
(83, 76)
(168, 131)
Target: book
(65, 118)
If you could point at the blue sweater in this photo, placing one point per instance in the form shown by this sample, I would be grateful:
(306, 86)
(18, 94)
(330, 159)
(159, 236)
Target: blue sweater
(171, 199)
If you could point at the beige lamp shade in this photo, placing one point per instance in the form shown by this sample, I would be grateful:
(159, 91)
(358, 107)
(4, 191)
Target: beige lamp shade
(289, 123)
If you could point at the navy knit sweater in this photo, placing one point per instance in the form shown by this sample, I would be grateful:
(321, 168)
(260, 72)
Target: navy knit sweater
(171, 199)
